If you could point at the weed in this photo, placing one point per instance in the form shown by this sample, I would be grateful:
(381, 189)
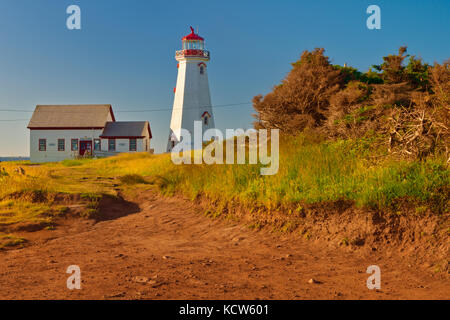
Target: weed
(9, 240)
(132, 179)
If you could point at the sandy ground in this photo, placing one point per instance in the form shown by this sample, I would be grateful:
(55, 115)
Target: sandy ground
(167, 249)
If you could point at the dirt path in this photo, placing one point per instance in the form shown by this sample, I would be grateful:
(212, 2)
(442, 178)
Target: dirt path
(168, 250)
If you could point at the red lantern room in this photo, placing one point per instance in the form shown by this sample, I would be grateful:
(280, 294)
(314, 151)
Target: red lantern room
(193, 46)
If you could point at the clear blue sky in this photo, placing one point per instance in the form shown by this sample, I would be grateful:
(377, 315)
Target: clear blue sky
(124, 54)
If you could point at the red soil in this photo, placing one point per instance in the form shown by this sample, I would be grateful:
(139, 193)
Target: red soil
(167, 249)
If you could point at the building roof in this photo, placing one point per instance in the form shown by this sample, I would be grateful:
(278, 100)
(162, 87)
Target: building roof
(192, 36)
(127, 129)
(71, 116)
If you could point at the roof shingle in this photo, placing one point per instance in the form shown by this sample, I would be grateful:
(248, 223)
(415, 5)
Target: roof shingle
(127, 129)
(71, 116)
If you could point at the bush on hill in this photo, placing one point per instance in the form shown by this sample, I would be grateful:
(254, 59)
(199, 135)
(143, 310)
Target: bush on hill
(405, 105)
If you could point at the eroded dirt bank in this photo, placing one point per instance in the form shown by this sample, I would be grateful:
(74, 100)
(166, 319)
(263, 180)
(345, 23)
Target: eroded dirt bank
(421, 238)
(167, 249)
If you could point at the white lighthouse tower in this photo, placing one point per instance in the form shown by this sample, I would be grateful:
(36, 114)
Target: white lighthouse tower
(192, 100)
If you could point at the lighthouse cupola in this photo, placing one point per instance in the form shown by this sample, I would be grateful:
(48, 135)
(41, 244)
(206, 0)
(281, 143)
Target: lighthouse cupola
(193, 46)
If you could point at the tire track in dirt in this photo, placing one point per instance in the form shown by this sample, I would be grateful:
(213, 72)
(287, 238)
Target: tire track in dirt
(168, 250)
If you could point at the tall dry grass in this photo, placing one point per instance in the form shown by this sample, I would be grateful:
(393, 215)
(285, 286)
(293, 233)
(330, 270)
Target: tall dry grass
(311, 171)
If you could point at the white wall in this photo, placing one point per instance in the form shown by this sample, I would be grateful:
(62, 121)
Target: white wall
(123, 145)
(52, 154)
(192, 98)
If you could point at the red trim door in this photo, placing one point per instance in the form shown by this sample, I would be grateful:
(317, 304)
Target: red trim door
(85, 146)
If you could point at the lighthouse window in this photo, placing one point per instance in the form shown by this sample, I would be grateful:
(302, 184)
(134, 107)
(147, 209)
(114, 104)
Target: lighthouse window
(205, 120)
(202, 70)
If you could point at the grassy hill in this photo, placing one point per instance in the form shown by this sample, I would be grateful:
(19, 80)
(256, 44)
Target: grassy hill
(313, 172)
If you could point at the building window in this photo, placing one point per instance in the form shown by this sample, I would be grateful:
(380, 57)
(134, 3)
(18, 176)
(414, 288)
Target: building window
(61, 144)
(74, 144)
(133, 144)
(42, 145)
(97, 145)
(173, 144)
(111, 144)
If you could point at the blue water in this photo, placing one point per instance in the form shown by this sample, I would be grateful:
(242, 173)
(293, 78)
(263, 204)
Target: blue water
(3, 159)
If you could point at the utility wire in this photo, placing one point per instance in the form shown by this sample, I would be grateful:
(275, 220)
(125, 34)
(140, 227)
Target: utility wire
(168, 109)
(143, 110)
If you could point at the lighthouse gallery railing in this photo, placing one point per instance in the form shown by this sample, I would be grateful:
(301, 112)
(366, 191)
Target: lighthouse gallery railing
(192, 53)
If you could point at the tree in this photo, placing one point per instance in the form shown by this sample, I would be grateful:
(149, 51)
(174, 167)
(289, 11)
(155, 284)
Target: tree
(417, 73)
(302, 99)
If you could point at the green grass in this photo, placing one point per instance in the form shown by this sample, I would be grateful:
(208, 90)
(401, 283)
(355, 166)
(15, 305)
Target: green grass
(319, 172)
(75, 163)
(9, 240)
(17, 211)
(311, 171)
(132, 179)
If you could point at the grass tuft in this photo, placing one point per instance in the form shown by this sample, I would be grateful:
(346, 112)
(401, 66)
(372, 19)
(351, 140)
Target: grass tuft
(131, 179)
(9, 240)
